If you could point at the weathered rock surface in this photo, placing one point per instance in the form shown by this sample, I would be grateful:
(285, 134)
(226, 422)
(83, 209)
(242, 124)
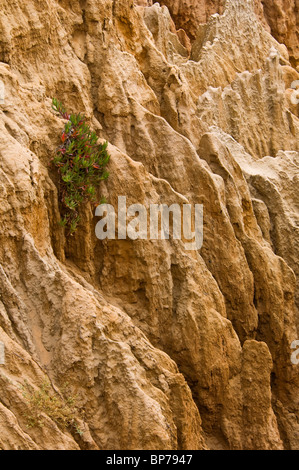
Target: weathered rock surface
(165, 348)
(278, 16)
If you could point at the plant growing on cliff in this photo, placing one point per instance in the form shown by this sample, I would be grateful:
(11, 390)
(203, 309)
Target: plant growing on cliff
(44, 401)
(81, 163)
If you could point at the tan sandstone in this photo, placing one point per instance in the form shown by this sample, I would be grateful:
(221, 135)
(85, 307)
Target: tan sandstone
(165, 348)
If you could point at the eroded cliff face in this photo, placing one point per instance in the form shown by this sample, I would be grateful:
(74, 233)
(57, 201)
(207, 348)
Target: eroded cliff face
(280, 17)
(165, 348)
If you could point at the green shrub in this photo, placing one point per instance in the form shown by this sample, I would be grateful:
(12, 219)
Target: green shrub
(64, 412)
(81, 162)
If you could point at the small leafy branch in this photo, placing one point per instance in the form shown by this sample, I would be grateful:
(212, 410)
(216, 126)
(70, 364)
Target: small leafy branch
(43, 401)
(81, 162)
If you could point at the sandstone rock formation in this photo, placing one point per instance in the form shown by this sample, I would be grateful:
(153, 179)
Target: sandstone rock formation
(164, 348)
(280, 17)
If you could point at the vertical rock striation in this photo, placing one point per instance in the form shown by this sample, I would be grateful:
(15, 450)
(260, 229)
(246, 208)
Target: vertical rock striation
(164, 348)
